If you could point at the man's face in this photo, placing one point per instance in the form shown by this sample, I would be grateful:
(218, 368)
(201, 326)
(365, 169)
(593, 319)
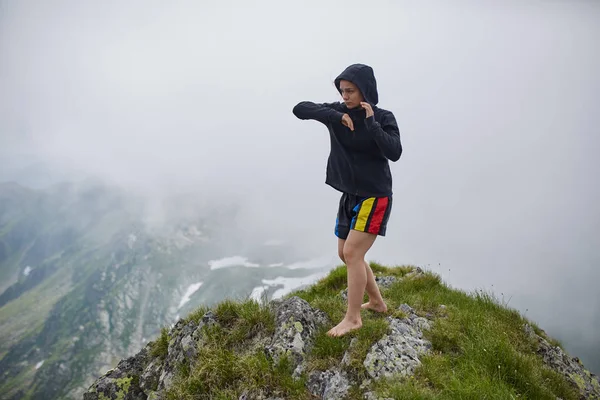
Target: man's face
(350, 93)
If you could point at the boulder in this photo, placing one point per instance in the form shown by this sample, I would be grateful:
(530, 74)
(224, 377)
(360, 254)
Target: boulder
(297, 323)
(398, 352)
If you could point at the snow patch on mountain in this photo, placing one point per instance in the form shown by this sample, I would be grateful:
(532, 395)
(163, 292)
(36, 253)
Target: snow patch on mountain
(234, 261)
(290, 284)
(188, 293)
(317, 263)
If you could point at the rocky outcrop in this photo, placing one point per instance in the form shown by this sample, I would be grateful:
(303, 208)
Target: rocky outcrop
(147, 377)
(297, 323)
(398, 352)
(144, 376)
(121, 382)
(182, 346)
(329, 385)
(572, 369)
(395, 354)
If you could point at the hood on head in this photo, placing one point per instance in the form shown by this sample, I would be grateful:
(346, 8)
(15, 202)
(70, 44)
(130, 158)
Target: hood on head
(362, 76)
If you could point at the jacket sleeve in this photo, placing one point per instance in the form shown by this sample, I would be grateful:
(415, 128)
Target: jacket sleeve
(386, 135)
(322, 112)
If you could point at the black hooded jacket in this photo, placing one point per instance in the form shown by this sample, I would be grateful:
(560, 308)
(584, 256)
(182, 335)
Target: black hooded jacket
(358, 160)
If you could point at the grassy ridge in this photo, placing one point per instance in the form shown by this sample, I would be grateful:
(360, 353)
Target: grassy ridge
(229, 365)
(480, 349)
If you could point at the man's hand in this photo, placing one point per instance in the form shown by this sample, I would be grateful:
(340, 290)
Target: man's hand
(367, 108)
(347, 121)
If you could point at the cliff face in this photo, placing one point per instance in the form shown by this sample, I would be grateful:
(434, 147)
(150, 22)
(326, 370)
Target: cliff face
(434, 342)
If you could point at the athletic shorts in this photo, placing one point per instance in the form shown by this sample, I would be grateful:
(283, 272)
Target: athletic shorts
(365, 214)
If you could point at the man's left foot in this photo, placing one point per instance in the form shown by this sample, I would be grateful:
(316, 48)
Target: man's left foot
(378, 307)
(344, 327)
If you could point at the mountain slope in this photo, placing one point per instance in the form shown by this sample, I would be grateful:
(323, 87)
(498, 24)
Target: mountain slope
(435, 342)
(91, 280)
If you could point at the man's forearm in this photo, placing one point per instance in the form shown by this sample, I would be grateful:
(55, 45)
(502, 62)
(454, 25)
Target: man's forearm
(321, 112)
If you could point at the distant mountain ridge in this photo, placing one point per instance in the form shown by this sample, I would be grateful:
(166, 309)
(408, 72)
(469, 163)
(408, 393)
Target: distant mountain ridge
(87, 279)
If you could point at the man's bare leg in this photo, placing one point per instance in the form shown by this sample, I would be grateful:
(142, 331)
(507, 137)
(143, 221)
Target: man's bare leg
(355, 248)
(376, 302)
(341, 243)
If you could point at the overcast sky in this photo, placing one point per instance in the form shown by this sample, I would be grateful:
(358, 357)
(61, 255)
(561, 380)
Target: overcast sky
(497, 104)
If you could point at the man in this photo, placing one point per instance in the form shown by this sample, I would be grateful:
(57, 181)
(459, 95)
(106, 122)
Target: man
(364, 138)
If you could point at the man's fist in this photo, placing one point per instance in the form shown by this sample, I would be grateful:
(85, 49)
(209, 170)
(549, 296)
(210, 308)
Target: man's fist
(347, 121)
(367, 108)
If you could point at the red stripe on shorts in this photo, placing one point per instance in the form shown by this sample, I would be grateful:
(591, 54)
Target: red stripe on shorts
(378, 215)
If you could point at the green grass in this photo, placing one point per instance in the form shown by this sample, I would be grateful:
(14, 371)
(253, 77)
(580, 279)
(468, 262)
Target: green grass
(159, 347)
(244, 321)
(227, 364)
(223, 373)
(196, 315)
(480, 349)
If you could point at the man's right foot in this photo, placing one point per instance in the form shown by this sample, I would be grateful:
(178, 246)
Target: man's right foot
(378, 307)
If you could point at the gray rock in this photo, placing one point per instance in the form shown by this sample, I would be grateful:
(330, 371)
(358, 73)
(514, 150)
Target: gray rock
(406, 309)
(344, 294)
(570, 367)
(297, 323)
(366, 383)
(372, 396)
(299, 370)
(247, 395)
(329, 385)
(346, 357)
(121, 382)
(422, 323)
(156, 396)
(385, 281)
(398, 352)
(181, 347)
(151, 375)
(416, 273)
(141, 377)
(207, 319)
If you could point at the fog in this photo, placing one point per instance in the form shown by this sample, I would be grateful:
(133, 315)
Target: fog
(497, 187)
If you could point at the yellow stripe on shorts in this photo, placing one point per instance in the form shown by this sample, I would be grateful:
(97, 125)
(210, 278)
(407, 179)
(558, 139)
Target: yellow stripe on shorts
(363, 214)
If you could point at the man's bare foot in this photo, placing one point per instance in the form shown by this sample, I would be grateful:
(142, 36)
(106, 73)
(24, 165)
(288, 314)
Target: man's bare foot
(378, 307)
(344, 327)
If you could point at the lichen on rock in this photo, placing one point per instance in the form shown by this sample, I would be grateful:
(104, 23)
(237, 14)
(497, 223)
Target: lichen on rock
(122, 382)
(297, 324)
(332, 384)
(183, 346)
(570, 367)
(151, 376)
(144, 377)
(398, 352)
